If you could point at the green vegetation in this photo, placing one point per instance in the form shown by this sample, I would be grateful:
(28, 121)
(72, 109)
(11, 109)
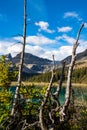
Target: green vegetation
(5, 104)
(6, 74)
(45, 77)
(79, 76)
(30, 98)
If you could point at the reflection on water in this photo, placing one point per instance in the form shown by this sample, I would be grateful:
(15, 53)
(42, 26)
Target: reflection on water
(79, 93)
(12, 89)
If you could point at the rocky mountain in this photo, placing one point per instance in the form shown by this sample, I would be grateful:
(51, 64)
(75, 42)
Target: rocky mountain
(31, 59)
(9, 57)
(32, 63)
(35, 64)
(81, 58)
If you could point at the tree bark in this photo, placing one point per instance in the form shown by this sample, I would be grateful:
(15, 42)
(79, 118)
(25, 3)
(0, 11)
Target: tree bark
(21, 64)
(41, 116)
(68, 88)
(56, 94)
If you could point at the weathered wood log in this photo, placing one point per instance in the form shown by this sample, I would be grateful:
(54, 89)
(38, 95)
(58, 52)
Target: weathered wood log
(70, 70)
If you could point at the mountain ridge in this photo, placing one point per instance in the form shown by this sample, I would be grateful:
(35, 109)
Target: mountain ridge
(31, 59)
(32, 63)
(35, 64)
(79, 56)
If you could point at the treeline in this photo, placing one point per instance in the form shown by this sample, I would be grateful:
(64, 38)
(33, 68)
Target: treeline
(79, 76)
(45, 77)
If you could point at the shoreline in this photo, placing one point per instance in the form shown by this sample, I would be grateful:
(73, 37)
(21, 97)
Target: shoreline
(46, 84)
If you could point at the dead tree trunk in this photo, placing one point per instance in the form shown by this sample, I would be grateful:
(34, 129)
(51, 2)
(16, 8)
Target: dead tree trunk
(41, 116)
(56, 94)
(68, 87)
(21, 64)
(61, 109)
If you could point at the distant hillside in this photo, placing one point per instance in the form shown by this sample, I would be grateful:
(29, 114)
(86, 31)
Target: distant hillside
(31, 59)
(81, 58)
(32, 63)
(35, 64)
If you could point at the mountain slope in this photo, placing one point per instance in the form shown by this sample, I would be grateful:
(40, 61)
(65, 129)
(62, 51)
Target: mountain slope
(35, 64)
(31, 59)
(80, 58)
(32, 63)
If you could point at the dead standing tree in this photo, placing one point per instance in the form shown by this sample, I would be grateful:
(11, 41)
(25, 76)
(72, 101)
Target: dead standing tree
(63, 112)
(15, 118)
(41, 117)
(51, 116)
(20, 65)
(56, 122)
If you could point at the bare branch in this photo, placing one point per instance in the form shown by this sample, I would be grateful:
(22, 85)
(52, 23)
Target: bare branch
(26, 125)
(43, 127)
(21, 63)
(68, 88)
(55, 96)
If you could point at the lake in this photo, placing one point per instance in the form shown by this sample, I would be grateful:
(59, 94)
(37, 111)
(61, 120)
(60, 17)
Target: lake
(80, 93)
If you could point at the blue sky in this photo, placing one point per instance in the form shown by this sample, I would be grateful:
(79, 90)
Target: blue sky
(52, 27)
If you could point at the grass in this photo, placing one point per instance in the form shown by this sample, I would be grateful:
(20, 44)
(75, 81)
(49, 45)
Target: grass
(46, 83)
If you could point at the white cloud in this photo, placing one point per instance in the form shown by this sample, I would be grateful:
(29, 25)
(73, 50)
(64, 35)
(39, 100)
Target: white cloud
(72, 15)
(62, 52)
(44, 26)
(85, 25)
(4, 46)
(35, 50)
(9, 47)
(66, 38)
(38, 50)
(69, 39)
(64, 29)
(59, 53)
(14, 49)
(37, 40)
(18, 39)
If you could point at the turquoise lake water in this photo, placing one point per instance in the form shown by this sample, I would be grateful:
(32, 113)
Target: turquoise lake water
(79, 93)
